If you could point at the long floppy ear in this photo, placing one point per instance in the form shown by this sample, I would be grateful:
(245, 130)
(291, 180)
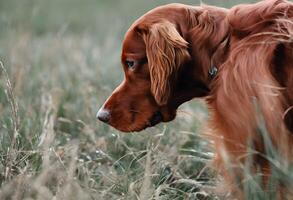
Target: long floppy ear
(166, 51)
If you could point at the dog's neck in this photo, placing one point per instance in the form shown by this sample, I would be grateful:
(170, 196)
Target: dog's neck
(219, 57)
(208, 35)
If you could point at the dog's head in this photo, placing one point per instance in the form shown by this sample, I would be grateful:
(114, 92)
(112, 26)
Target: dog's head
(155, 59)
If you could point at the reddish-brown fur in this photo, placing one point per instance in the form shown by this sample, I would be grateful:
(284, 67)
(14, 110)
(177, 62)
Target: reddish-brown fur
(174, 46)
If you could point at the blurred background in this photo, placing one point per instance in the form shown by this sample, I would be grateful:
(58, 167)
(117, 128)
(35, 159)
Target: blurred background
(61, 60)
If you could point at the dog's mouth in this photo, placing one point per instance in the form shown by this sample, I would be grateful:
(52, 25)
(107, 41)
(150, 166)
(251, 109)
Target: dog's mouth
(155, 119)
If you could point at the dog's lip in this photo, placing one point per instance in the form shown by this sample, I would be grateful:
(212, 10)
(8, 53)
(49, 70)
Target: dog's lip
(155, 119)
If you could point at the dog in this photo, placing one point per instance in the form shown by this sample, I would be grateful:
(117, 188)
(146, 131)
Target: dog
(240, 60)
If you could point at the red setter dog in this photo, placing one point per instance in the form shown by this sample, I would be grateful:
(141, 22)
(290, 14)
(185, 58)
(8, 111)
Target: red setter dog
(240, 60)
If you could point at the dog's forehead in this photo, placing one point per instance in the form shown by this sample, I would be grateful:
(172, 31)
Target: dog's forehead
(133, 42)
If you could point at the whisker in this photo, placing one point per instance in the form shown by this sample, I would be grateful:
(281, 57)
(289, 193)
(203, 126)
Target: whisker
(135, 111)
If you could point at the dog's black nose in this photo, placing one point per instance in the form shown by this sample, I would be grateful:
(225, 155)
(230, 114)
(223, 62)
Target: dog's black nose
(103, 115)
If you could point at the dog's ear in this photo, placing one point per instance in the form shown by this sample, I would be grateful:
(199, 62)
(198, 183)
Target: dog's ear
(166, 51)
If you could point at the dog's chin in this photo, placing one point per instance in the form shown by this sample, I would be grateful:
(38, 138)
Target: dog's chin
(156, 118)
(135, 129)
(130, 129)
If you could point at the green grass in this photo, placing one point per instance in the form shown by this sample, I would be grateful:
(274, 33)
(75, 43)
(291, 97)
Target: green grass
(62, 59)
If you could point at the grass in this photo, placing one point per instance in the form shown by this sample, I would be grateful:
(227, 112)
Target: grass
(60, 62)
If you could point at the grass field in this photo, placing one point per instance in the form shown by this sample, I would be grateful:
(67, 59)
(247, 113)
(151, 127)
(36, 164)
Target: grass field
(61, 60)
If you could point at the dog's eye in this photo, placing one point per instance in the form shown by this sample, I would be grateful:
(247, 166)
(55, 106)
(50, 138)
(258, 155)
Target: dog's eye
(130, 64)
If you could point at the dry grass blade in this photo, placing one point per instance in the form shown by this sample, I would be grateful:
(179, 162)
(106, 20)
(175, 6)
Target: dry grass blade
(146, 188)
(15, 121)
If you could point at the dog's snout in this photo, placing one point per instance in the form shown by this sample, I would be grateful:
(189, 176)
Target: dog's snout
(103, 115)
